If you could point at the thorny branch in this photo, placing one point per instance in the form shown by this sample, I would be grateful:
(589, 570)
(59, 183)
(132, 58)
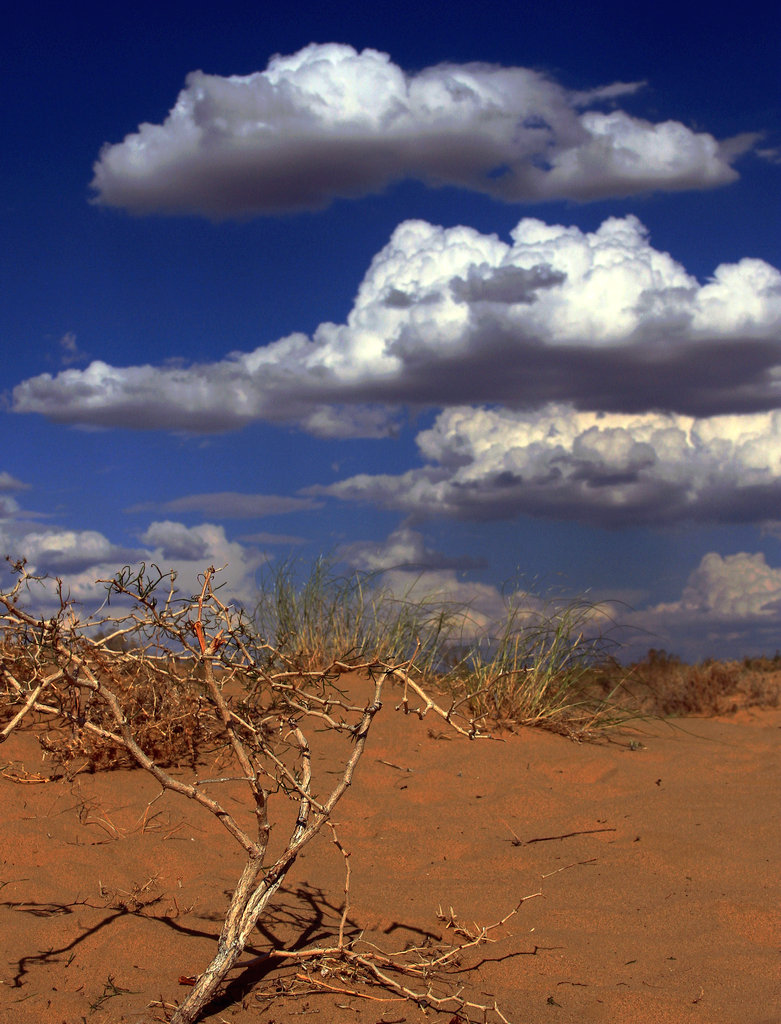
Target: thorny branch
(114, 680)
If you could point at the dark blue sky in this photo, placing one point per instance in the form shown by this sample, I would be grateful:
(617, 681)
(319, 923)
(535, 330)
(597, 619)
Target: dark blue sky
(104, 466)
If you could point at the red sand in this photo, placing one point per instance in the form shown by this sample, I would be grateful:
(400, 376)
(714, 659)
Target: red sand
(665, 909)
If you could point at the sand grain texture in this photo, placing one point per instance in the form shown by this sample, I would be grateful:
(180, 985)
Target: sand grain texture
(672, 916)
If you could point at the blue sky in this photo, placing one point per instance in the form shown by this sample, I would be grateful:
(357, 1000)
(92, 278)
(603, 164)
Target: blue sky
(486, 297)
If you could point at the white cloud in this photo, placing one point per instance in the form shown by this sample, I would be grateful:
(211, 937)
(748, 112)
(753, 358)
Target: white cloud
(191, 549)
(66, 551)
(329, 121)
(450, 316)
(82, 557)
(608, 469)
(740, 586)
(730, 606)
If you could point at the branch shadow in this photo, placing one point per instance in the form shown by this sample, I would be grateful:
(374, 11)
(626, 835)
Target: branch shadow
(301, 918)
(54, 954)
(304, 917)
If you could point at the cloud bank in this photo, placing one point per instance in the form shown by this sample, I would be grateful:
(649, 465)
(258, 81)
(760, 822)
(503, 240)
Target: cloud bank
(728, 602)
(329, 121)
(444, 317)
(606, 469)
(81, 557)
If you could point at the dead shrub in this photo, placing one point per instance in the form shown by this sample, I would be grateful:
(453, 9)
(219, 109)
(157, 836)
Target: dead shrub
(195, 675)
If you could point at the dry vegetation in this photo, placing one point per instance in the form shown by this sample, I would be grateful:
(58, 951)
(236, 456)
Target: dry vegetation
(197, 677)
(170, 684)
(663, 686)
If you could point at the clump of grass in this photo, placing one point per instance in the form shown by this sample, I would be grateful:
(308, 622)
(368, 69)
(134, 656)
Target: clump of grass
(330, 616)
(531, 668)
(536, 671)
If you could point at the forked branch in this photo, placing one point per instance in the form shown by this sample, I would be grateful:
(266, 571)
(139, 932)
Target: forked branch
(250, 702)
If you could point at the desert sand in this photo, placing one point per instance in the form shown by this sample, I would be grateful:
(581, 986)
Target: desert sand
(656, 853)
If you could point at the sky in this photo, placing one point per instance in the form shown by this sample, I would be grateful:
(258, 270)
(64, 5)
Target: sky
(484, 298)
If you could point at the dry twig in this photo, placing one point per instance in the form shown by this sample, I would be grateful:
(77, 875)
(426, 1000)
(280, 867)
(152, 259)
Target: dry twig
(258, 708)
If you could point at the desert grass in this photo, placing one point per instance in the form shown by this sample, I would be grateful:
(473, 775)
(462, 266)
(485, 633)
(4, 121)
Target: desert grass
(552, 664)
(314, 616)
(532, 667)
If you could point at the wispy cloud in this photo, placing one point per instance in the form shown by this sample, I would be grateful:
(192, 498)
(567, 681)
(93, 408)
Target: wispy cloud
(11, 483)
(232, 505)
(444, 317)
(329, 121)
(69, 349)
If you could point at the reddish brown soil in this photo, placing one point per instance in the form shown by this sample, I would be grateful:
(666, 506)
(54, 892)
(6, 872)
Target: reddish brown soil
(660, 897)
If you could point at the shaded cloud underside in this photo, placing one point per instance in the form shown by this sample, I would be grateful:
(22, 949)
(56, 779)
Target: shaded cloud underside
(444, 317)
(329, 121)
(603, 469)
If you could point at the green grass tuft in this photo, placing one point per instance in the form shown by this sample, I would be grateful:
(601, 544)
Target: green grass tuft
(531, 668)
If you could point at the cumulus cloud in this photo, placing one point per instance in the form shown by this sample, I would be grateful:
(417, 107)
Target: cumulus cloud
(443, 317)
(191, 549)
(71, 551)
(82, 557)
(329, 121)
(741, 586)
(607, 469)
(730, 604)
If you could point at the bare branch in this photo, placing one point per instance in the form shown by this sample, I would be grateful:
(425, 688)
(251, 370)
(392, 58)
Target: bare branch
(195, 661)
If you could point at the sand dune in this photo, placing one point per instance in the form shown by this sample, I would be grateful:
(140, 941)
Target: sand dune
(657, 855)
